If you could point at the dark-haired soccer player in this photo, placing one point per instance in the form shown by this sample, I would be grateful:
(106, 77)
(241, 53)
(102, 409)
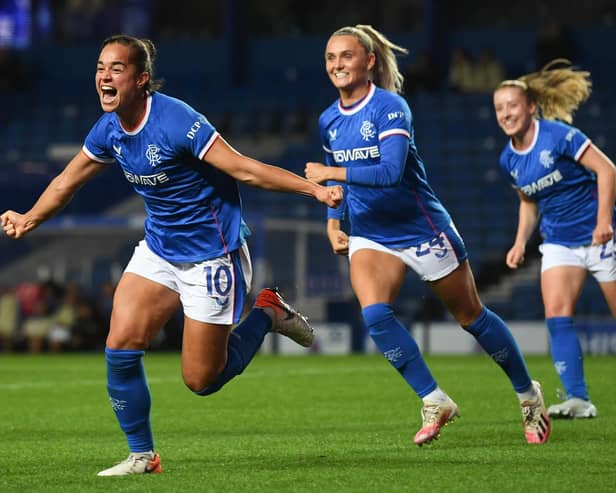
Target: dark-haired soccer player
(192, 256)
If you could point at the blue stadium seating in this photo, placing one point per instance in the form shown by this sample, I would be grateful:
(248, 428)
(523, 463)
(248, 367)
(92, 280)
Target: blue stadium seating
(457, 136)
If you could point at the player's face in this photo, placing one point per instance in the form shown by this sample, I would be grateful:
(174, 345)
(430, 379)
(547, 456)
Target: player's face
(514, 112)
(118, 84)
(347, 63)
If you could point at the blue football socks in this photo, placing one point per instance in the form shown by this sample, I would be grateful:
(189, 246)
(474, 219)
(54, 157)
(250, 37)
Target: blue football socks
(130, 397)
(399, 347)
(567, 356)
(496, 339)
(244, 342)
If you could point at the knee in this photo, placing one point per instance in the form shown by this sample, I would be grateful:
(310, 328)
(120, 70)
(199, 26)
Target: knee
(126, 339)
(198, 379)
(466, 316)
(558, 309)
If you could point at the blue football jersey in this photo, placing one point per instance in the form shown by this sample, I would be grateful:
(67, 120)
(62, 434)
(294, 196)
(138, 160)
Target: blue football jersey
(400, 215)
(193, 210)
(548, 172)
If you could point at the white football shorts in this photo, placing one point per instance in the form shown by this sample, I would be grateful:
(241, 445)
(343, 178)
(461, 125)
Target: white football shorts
(213, 291)
(431, 260)
(599, 260)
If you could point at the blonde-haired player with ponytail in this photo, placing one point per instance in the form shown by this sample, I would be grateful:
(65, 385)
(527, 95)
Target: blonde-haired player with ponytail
(562, 178)
(397, 223)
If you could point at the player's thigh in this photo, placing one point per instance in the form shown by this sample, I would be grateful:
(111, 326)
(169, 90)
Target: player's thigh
(141, 307)
(204, 352)
(458, 292)
(560, 288)
(376, 276)
(609, 292)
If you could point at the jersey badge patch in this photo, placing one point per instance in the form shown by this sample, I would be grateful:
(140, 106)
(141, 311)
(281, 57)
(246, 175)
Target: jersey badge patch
(545, 158)
(367, 130)
(152, 153)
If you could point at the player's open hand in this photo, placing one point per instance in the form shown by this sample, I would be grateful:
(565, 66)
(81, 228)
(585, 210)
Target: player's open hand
(13, 224)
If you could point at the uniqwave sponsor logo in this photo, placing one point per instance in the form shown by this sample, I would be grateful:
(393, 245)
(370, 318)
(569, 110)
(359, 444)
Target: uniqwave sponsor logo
(344, 155)
(149, 180)
(542, 183)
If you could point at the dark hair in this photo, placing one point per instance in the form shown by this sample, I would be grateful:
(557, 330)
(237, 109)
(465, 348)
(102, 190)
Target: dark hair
(143, 55)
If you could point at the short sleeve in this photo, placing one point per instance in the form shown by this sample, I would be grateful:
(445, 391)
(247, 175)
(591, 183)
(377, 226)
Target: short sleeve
(570, 141)
(96, 144)
(190, 130)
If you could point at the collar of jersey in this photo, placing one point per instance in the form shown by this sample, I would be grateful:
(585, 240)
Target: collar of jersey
(355, 107)
(144, 120)
(532, 144)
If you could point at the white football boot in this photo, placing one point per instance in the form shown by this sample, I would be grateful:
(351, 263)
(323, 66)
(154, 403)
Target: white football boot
(136, 463)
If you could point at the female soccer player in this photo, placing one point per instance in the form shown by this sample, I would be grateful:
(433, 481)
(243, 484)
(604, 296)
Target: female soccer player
(559, 174)
(397, 222)
(193, 254)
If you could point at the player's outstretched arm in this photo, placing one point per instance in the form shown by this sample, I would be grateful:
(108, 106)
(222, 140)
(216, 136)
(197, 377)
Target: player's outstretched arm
(54, 198)
(320, 173)
(258, 174)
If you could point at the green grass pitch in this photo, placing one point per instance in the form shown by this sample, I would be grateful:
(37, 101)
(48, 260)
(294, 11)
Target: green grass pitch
(305, 423)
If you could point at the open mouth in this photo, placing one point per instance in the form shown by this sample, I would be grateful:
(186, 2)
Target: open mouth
(108, 94)
(508, 123)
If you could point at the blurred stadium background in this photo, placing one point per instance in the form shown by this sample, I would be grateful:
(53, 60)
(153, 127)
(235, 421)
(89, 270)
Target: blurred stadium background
(255, 69)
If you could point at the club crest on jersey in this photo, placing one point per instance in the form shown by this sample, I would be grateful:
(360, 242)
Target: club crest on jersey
(152, 153)
(545, 158)
(367, 130)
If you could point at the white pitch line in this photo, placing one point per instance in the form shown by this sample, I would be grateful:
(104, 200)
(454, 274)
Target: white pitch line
(158, 380)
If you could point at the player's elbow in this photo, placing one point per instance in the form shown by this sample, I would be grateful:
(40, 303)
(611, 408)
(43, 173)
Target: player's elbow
(391, 178)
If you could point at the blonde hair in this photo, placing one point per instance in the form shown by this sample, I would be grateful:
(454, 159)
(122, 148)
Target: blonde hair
(385, 73)
(558, 89)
